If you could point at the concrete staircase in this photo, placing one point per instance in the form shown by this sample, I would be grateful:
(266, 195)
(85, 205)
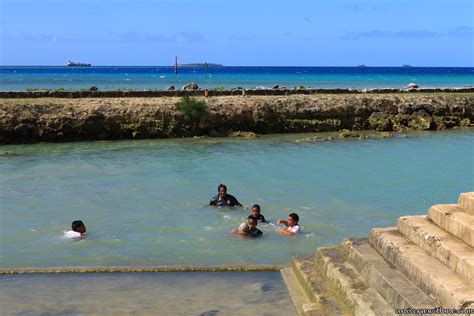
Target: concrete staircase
(425, 262)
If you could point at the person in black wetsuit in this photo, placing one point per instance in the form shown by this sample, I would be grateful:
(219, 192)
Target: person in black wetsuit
(224, 199)
(256, 214)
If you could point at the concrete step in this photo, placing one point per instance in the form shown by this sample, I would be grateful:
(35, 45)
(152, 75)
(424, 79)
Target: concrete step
(453, 220)
(440, 244)
(466, 202)
(445, 286)
(349, 284)
(321, 299)
(303, 305)
(383, 276)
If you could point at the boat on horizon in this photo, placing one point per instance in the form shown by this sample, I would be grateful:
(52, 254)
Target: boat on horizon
(74, 64)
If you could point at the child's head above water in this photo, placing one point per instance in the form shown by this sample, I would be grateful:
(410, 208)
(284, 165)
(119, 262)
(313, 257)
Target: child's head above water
(255, 210)
(293, 218)
(251, 223)
(78, 226)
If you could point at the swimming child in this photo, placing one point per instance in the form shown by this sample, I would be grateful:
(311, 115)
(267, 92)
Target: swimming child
(292, 227)
(249, 229)
(78, 230)
(256, 214)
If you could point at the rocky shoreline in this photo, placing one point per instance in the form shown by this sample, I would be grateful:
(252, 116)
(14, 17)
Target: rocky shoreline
(30, 117)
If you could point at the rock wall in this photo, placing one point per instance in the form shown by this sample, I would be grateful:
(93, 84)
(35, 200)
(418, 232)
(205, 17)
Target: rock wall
(29, 120)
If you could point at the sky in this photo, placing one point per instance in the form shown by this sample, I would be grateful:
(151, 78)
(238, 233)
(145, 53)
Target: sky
(238, 33)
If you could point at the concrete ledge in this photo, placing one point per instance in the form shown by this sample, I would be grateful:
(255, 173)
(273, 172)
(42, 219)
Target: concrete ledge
(349, 284)
(111, 269)
(201, 92)
(466, 202)
(305, 272)
(383, 276)
(433, 277)
(297, 293)
(315, 286)
(439, 244)
(453, 220)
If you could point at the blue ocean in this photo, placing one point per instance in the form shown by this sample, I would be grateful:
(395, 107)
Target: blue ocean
(22, 78)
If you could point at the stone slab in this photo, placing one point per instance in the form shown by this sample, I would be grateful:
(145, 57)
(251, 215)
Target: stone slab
(384, 277)
(454, 220)
(440, 244)
(437, 280)
(350, 285)
(466, 202)
(296, 292)
(323, 300)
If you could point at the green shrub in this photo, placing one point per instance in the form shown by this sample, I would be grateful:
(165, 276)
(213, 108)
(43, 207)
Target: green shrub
(192, 108)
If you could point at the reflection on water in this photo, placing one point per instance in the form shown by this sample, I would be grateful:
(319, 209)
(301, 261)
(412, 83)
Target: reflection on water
(142, 201)
(214, 293)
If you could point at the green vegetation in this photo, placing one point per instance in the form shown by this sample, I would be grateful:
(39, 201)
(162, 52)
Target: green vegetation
(194, 110)
(60, 89)
(345, 133)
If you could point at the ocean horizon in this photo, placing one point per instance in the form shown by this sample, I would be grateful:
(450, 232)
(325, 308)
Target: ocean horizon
(23, 78)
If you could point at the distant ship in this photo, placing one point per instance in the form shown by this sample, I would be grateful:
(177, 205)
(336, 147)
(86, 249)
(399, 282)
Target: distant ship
(74, 64)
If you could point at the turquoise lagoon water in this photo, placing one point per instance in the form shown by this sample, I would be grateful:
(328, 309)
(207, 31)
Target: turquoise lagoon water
(20, 78)
(171, 294)
(143, 201)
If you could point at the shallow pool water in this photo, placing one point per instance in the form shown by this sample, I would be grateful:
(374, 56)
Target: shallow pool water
(143, 201)
(185, 293)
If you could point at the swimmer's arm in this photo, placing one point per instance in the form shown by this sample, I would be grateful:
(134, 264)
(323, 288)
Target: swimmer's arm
(239, 232)
(237, 203)
(280, 221)
(287, 232)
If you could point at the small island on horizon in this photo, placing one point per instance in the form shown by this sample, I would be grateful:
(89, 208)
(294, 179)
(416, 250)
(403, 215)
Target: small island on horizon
(201, 65)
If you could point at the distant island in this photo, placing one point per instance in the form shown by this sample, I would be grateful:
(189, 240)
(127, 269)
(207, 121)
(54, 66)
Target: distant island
(361, 66)
(407, 66)
(201, 65)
